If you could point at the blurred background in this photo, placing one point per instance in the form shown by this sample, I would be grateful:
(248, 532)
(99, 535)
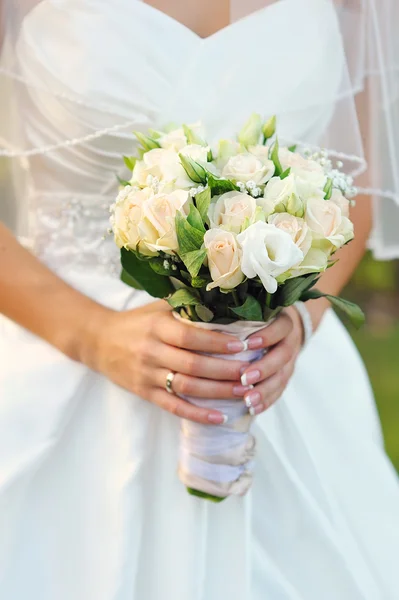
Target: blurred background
(376, 288)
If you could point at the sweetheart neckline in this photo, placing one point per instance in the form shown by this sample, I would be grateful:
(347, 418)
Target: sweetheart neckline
(220, 32)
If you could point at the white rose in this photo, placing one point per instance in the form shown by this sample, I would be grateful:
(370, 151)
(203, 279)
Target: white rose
(261, 153)
(224, 258)
(283, 194)
(339, 199)
(297, 228)
(315, 261)
(126, 216)
(246, 167)
(304, 168)
(267, 253)
(326, 221)
(196, 152)
(163, 164)
(174, 140)
(231, 210)
(157, 227)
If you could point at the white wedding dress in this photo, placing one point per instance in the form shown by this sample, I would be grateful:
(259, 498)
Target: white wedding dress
(90, 504)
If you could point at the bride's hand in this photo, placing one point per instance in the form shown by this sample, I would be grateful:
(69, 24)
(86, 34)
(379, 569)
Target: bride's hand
(137, 349)
(271, 374)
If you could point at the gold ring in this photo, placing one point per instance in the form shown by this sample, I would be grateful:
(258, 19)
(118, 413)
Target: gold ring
(169, 381)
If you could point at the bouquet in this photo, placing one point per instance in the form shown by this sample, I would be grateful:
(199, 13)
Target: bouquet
(230, 235)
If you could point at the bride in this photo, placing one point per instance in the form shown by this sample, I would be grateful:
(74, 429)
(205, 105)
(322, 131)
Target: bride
(90, 504)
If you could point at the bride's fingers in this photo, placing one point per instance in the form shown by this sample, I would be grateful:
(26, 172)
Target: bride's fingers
(181, 335)
(266, 393)
(269, 364)
(272, 334)
(185, 410)
(185, 385)
(205, 367)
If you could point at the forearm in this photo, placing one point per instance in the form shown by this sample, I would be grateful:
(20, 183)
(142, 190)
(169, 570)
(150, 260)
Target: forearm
(335, 279)
(38, 300)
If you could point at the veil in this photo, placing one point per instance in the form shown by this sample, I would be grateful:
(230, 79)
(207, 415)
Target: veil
(361, 130)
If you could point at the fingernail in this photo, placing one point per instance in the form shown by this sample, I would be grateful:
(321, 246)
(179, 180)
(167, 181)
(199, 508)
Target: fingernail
(218, 418)
(250, 377)
(236, 346)
(240, 390)
(252, 399)
(254, 343)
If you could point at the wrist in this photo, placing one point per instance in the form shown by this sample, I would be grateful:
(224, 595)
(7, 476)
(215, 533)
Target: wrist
(83, 344)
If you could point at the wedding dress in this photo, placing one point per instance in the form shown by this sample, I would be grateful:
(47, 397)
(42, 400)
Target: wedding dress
(90, 504)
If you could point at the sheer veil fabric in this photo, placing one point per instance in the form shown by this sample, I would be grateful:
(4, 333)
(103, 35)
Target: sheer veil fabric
(91, 507)
(361, 52)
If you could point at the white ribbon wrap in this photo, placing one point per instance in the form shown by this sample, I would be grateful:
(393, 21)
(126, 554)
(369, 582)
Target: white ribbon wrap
(218, 460)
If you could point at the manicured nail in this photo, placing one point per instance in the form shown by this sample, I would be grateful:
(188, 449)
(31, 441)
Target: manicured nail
(218, 418)
(252, 399)
(251, 411)
(254, 343)
(240, 390)
(236, 346)
(250, 377)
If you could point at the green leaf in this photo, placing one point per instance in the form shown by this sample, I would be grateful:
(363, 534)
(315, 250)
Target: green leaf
(203, 200)
(130, 161)
(293, 289)
(220, 186)
(155, 134)
(286, 173)
(158, 286)
(123, 181)
(158, 266)
(292, 148)
(189, 237)
(328, 189)
(204, 495)
(129, 280)
(250, 311)
(194, 261)
(250, 133)
(204, 313)
(192, 137)
(199, 282)
(147, 142)
(276, 160)
(184, 297)
(351, 310)
(193, 169)
(195, 219)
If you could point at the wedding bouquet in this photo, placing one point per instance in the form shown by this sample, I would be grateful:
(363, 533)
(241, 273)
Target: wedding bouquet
(229, 235)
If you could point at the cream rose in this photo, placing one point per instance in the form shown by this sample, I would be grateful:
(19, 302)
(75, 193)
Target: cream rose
(157, 228)
(339, 199)
(267, 253)
(224, 258)
(174, 140)
(326, 222)
(297, 228)
(246, 167)
(315, 261)
(231, 210)
(262, 154)
(283, 194)
(196, 152)
(304, 168)
(126, 216)
(163, 164)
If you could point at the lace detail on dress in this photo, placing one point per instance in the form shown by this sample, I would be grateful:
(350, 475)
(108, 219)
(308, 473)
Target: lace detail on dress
(71, 231)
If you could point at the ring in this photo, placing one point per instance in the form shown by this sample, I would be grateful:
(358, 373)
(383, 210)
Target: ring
(169, 381)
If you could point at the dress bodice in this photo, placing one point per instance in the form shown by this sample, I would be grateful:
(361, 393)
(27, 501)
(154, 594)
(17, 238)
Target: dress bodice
(100, 69)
